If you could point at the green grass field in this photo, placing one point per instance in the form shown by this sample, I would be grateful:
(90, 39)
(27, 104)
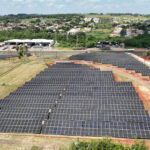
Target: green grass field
(122, 16)
(63, 48)
(43, 19)
(101, 34)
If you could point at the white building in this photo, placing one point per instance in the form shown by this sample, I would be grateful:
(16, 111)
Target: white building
(87, 19)
(116, 20)
(132, 32)
(117, 31)
(96, 20)
(81, 22)
(73, 31)
(86, 29)
(42, 42)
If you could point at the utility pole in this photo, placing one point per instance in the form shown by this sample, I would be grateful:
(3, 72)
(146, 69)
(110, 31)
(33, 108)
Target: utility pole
(9, 54)
(56, 54)
(93, 27)
(41, 51)
(100, 21)
(86, 39)
(77, 40)
(55, 36)
(67, 37)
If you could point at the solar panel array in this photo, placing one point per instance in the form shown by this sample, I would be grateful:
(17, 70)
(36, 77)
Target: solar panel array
(75, 100)
(122, 60)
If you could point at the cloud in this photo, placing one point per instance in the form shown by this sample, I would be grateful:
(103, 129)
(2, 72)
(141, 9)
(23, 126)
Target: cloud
(74, 6)
(142, 1)
(93, 1)
(18, 0)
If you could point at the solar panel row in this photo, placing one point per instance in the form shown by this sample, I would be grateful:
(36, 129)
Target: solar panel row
(121, 60)
(70, 99)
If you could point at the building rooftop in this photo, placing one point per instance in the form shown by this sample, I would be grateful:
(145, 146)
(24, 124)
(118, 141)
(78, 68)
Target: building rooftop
(30, 41)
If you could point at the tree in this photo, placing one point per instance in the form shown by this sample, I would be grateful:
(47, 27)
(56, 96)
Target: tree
(123, 32)
(20, 51)
(91, 44)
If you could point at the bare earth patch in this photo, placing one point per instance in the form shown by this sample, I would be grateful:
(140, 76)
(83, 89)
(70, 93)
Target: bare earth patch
(145, 57)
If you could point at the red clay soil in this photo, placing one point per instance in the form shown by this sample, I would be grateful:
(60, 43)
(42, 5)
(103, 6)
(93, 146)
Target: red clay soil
(117, 79)
(144, 96)
(6, 97)
(145, 57)
(50, 63)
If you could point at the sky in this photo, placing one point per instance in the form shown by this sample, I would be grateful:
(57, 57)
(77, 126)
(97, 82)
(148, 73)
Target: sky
(73, 6)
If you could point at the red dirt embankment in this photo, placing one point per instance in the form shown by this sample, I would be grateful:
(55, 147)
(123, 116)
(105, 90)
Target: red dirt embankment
(145, 57)
(144, 96)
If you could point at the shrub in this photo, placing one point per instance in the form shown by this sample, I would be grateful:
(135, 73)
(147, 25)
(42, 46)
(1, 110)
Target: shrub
(141, 41)
(91, 44)
(106, 144)
(20, 53)
(147, 53)
(139, 146)
(3, 84)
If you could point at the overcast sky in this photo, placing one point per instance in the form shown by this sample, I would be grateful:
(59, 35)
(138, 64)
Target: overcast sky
(74, 6)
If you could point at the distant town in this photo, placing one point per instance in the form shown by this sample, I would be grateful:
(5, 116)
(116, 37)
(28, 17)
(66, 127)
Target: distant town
(76, 30)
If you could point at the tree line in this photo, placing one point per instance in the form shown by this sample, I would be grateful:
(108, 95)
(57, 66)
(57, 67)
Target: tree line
(80, 39)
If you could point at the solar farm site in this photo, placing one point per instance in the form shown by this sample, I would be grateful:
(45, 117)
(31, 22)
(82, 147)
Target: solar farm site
(75, 100)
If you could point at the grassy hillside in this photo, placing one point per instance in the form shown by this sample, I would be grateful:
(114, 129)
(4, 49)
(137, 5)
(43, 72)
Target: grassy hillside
(15, 73)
